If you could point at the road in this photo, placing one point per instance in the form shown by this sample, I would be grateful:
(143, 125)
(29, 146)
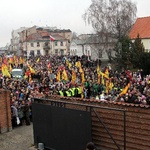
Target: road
(20, 138)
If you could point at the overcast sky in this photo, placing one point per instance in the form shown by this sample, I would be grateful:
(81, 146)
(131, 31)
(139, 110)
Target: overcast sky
(64, 14)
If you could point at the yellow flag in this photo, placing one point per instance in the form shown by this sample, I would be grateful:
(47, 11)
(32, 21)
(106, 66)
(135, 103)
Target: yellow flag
(5, 71)
(98, 69)
(67, 62)
(10, 68)
(103, 82)
(73, 76)
(58, 75)
(82, 76)
(98, 74)
(78, 64)
(99, 78)
(31, 69)
(111, 85)
(107, 86)
(11, 60)
(38, 60)
(30, 78)
(25, 76)
(124, 91)
(106, 73)
(64, 75)
(80, 70)
(20, 60)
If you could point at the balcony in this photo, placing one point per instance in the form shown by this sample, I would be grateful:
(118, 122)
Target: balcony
(46, 46)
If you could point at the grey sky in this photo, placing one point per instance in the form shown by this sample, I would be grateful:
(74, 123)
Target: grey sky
(64, 14)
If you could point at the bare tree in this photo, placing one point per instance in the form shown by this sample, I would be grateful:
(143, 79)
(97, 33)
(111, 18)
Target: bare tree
(110, 18)
(74, 35)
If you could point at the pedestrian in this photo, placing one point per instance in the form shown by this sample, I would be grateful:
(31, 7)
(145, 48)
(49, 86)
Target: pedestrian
(90, 146)
(14, 112)
(27, 114)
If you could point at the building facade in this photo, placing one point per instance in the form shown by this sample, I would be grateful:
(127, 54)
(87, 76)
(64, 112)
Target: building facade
(36, 41)
(142, 28)
(92, 47)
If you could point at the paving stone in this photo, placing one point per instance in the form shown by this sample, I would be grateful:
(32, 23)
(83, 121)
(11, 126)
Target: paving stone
(20, 138)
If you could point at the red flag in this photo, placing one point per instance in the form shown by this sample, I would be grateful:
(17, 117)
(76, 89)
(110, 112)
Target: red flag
(49, 65)
(5, 60)
(52, 38)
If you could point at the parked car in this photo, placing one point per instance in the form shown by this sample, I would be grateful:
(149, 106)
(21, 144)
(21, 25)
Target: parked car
(17, 73)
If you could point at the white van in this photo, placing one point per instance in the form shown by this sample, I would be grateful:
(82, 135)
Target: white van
(17, 73)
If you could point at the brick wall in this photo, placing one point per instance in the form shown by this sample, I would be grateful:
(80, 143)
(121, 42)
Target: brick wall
(5, 111)
(137, 123)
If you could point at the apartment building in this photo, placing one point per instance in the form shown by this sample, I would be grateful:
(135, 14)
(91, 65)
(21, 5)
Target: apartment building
(36, 41)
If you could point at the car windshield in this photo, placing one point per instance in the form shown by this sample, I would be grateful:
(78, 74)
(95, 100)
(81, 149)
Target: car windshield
(17, 73)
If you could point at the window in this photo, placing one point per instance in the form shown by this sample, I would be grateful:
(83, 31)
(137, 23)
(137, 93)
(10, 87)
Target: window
(61, 43)
(86, 52)
(46, 43)
(32, 53)
(75, 52)
(38, 52)
(55, 43)
(56, 51)
(32, 44)
(38, 44)
(61, 52)
(71, 52)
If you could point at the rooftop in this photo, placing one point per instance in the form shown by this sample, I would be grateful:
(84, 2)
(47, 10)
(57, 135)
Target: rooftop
(141, 27)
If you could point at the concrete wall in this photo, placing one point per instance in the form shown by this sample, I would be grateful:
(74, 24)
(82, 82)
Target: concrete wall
(137, 123)
(5, 111)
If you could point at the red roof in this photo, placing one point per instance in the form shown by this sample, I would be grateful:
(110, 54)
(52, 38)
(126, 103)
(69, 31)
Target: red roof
(141, 27)
(45, 34)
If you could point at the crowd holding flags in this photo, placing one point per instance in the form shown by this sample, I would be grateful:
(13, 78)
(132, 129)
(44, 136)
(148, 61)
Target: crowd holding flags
(8, 63)
(62, 73)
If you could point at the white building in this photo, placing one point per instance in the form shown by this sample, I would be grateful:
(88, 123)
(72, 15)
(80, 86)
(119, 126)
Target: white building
(36, 41)
(90, 46)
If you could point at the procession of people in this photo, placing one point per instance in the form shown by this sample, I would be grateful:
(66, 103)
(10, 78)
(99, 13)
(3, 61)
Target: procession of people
(70, 76)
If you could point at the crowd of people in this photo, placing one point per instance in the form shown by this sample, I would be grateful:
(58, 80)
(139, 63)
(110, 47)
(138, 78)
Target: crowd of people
(71, 76)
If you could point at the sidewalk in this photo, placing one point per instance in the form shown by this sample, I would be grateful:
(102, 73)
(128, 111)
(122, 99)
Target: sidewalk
(20, 138)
